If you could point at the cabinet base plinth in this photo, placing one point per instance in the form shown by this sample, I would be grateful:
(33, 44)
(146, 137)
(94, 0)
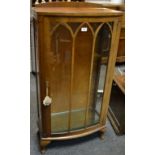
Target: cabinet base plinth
(45, 141)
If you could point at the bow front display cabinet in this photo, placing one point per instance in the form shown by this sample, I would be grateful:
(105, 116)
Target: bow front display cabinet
(76, 49)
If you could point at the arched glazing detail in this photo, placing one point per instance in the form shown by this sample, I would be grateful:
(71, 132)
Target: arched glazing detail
(95, 25)
(74, 26)
(84, 27)
(60, 76)
(81, 73)
(104, 37)
(77, 98)
(65, 25)
(111, 24)
(100, 62)
(53, 25)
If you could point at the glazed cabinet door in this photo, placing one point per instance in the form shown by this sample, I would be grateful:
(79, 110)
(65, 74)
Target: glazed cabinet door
(74, 63)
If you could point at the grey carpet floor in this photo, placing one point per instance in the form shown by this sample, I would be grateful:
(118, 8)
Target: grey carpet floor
(89, 145)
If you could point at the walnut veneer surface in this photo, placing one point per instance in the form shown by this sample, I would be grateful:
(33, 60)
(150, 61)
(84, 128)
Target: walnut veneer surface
(59, 11)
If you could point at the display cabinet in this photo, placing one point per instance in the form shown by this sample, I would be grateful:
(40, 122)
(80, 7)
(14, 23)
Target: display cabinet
(73, 77)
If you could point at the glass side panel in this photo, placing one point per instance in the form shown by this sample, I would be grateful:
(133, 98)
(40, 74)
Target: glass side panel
(60, 77)
(100, 63)
(81, 73)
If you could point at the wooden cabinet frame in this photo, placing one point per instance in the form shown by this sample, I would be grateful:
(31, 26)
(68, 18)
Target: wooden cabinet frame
(42, 24)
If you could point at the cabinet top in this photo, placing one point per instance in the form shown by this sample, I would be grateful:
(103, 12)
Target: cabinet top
(73, 10)
(70, 11)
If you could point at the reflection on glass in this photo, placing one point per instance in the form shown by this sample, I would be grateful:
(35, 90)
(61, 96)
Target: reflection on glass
(81, 74)
(60, 77)
(82, 113)
(100, 63)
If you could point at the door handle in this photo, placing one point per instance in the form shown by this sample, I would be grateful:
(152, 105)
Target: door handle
(47, 100)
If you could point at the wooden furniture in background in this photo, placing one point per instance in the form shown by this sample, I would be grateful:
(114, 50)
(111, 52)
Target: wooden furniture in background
(116, 111)
(121, 47)
(120, 81)
(74, 83)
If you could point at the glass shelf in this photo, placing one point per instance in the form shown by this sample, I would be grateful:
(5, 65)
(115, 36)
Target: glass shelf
(59, 121)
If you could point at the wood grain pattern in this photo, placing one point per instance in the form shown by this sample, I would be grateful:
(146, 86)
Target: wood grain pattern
(76, 134)
(45, 111)
(56, 11)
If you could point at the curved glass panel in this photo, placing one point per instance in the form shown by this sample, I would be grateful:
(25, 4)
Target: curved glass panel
(81, 74)
(82, 107)
(60, 78)
(101, 54)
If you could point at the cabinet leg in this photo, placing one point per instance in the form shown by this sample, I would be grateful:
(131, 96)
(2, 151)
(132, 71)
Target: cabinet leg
(101, 134)
(43, 145)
